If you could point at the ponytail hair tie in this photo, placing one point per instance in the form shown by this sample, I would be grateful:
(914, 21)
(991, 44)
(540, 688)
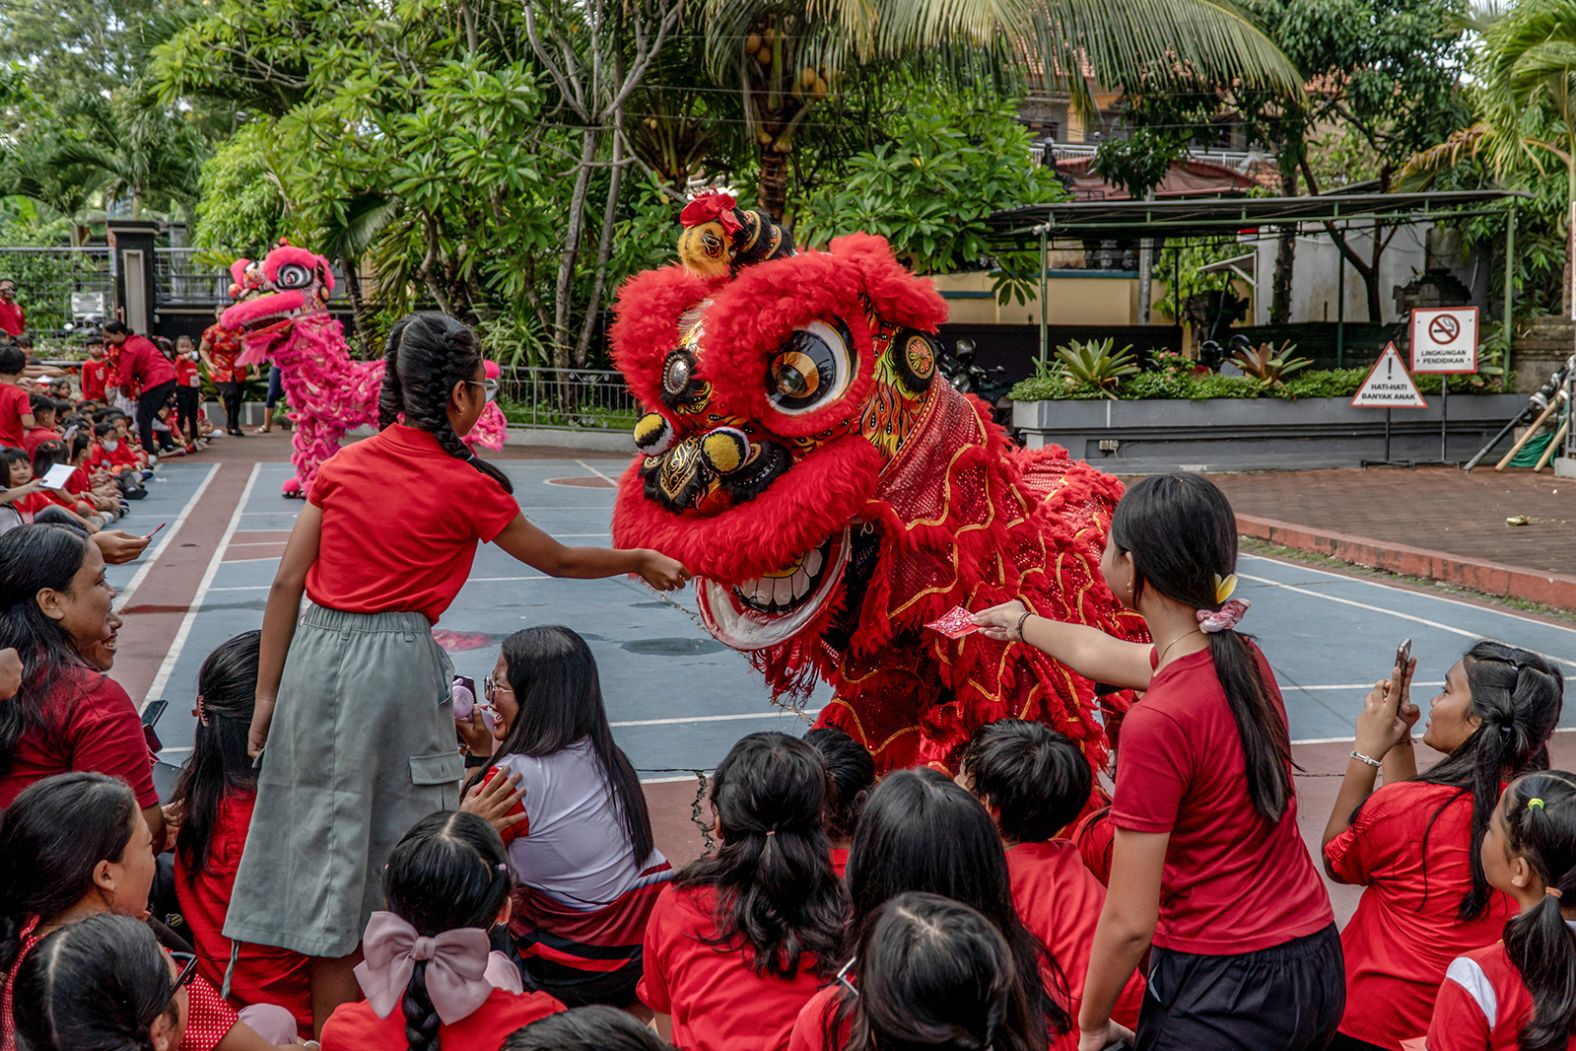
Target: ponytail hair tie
(771, 832)
(1534, 803)
(202, 710)
(1226, 618)
(1554, 892)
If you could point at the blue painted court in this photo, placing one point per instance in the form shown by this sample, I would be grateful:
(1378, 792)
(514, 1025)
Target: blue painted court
(678, 699)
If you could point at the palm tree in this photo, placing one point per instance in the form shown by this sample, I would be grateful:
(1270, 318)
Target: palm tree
(785, 56)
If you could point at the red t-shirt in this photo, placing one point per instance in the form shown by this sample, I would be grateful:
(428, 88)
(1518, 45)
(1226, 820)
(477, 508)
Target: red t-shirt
(92, 726)
(401, 521)
(95, 378)
(32, 439)
(355, 1027)
(1095, 838)
(12, 320)
(263, 974)
(1233, 882)
(1060, 901)
(79, 482)
(1482, 1005)
(14, 404)
(186, 371)
(143, 363)
(1405, 932)
(717, 1001)
(123, 455)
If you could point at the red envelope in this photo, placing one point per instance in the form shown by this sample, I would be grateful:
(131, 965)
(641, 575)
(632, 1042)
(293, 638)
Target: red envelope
(955, 623)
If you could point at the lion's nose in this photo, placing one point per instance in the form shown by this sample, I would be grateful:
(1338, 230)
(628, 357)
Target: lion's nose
(725, 449)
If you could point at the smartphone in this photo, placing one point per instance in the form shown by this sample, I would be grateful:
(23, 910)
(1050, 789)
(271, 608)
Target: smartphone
(1403, 655)
(155, 532)
(150, 718)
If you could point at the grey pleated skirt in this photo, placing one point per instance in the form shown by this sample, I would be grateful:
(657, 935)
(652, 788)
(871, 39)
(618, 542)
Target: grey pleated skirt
(361, 747)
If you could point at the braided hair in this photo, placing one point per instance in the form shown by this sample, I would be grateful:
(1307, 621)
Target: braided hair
(425, 356)
(1517, 698)
(448, 873)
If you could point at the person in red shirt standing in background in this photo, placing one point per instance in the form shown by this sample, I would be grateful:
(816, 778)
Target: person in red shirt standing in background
(1208, 866)
(142, 364)
(188, 391)
(1416, 844)
(354, 699)
(16, 406)
(12, 320)
(1035, 782)
(97, 373)
(219, 349)
(1520, 992)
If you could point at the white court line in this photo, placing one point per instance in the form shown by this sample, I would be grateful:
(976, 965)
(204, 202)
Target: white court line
(247, 587)
(152, 556)
(596, 472)
(167, 668)
(256, 543)
(1389, 613)
(682, 720)
(1420, 594)
(669, 780)
(243, 561)
(499, 580)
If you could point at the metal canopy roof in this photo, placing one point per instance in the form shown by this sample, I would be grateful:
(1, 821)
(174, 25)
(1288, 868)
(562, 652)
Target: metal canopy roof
(1024, 225)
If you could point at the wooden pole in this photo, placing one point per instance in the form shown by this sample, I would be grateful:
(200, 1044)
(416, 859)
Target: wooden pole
(1554, 446)
(1537, 425)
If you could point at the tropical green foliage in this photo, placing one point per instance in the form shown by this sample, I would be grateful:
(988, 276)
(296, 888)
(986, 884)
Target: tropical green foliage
(1054, 385)
(1269, 364)
(1092, 366)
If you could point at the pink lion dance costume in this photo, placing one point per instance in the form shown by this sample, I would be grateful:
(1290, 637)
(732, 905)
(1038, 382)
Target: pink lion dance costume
(833, 496)
(282, 315)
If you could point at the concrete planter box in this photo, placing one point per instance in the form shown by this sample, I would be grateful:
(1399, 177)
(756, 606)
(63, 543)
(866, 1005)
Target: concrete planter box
(1257, 433)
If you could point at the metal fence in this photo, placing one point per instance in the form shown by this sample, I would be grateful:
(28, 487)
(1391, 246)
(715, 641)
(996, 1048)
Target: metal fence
(568, 399)
(61, 289)
(181, 279)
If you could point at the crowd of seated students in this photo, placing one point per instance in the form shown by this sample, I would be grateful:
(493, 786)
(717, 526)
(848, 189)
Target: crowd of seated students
(1030, 903)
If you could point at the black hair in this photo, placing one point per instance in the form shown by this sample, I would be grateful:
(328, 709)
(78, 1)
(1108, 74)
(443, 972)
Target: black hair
(97, 985)
(9, 458)
(1182, 535)
(1517, 697)
(555, 682)
(426, 355)
(115, 328)
(40, 403)
(1037, 779)
(219, 764)
(896, 851)
(46, 455)
(598, 1028)
(32, 558)
(776, 891)
(934, 974)
(52, 837)
(448, 873)
(1540, 828)
(77, 444)
(853, 775)
(12, 360)
(104, 428)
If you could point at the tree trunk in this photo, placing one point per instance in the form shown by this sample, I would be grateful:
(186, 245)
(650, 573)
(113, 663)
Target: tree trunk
(358, 306)
(1372, 276)
(604, 249)
(563, 291)
(1146, 279)
(1285, 248)
(772, 190)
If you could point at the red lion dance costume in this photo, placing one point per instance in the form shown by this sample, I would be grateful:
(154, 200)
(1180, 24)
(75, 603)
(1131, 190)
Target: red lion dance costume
(282, 315)
(833, 495)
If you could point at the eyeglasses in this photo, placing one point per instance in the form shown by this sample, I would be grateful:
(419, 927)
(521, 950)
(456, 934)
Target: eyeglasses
(188, 963)
(489, 386)
(490, 690)
(842, 975)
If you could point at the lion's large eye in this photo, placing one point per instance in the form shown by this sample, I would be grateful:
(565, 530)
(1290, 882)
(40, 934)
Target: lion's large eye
(293, 275)
(812, 368)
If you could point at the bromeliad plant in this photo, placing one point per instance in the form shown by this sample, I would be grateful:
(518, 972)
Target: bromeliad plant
(1270, 365)
(1094, 364)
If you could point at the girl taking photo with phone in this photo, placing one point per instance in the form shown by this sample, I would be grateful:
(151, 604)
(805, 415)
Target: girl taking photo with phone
(353, 702)
(1415, 845)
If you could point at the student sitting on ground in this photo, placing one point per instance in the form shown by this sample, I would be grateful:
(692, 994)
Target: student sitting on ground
(74, 846)
(853, 776)
(1415, 845)
(214, 799)
(587, 870)
(429, 975)
(43, 429)
(46, 456)
(41, 505)
(104, 982)
(922, 832)
(742, 938)
(1520, 993)
(587, 1029)
(1035, 781)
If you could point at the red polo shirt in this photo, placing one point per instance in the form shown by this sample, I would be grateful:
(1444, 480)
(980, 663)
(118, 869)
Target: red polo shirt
(92, 725)
(12, 320)
(356, 1027)
(95, 379)
(143, 363)
(14, 404)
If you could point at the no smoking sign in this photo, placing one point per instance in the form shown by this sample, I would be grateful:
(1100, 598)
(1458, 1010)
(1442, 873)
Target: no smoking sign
(1444, 339)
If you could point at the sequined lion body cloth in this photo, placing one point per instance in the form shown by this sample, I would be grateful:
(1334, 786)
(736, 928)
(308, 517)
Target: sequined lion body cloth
(833, 494)
(281, 312)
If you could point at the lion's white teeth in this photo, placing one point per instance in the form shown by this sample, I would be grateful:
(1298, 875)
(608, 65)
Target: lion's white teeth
(782, 589)
(812, 562)
(801, 584)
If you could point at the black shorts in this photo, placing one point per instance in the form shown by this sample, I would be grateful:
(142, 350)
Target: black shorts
(1286, 998)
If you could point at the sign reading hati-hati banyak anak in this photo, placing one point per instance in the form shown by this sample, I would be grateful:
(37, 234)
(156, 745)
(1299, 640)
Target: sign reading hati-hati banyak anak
(1389, 385)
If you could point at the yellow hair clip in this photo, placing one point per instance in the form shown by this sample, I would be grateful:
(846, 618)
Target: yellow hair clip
(1225, 587)
(1534, 803)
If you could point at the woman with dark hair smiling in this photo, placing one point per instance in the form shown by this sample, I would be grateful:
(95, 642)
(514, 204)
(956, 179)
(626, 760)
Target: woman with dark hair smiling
(69, 714)
(586, 869)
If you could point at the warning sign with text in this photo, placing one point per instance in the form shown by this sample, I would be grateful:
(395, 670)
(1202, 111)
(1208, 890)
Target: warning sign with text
(1444, 339)
(1389, 385)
